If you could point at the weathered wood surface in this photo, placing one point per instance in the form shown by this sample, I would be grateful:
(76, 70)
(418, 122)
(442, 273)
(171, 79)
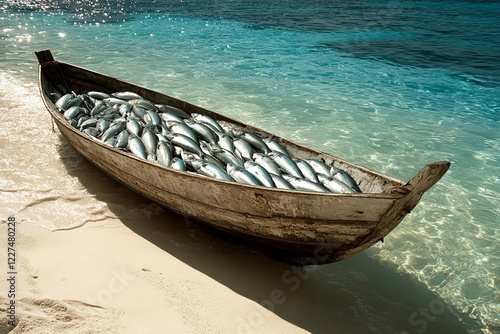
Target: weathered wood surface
(329, 227)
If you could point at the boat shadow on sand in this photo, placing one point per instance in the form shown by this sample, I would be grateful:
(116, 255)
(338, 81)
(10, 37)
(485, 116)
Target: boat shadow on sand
(357, 295)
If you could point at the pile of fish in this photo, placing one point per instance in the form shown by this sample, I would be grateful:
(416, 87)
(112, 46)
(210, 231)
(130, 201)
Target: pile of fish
(196, 143)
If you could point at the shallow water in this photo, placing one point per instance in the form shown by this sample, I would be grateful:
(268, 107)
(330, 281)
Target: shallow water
(389, 85)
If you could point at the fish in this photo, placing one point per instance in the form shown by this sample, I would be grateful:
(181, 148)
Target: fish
(280, 182)
(136, 146)
(126, 95)
(150, 142)
(71, 112)
(202, 131)
(122, 139)
(306, 185)
(183, 129)
(178, 164)
(113, 130)
(133, 126)
(63, 101)
(241, 175)
(98, 95)
(196, 142)
(335, 185)
(185, 142)
(91, 132)
(110, 101)
(266, 162)
(102, 125)
(152, 117)
(226, 142)
(306, 170)
(164, 154)
(162, 108)
(319, 166)
(260, 173)
(253, 140)
(143, 103)
(244, 149)
(286, 164)
(224, 155)
(167, 117)
(275, 146)
(344, 177)
(208, 120)
(206, 168)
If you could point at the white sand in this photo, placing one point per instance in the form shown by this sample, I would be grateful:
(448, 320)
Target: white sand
(101, 277)
(105, 278)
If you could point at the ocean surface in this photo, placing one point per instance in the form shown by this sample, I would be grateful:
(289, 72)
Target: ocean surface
(391, 85)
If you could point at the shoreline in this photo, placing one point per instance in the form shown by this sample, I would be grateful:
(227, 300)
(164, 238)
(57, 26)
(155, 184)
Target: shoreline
(136, 267)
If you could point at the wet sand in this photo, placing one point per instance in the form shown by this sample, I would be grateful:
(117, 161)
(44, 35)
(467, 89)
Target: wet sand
(94, 257)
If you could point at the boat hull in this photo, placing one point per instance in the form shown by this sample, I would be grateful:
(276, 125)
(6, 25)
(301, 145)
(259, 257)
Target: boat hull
(315, 227)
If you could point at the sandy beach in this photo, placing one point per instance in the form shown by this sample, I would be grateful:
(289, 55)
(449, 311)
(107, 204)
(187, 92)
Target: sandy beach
(94, 257)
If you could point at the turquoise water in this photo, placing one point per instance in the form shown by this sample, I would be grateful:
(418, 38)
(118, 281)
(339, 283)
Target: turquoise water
(388, 85)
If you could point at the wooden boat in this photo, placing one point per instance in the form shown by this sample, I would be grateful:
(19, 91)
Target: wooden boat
(315, 228)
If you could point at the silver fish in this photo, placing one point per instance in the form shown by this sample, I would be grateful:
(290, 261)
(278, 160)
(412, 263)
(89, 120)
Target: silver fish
(202, 131)
(343, 176)
(178, 164)
(99, 107)
(71, 112)
(82, 120)
(286, 164)
(335, 185)
(125, 109)
(224, 155)
(208, 120)
(281, 182)
(267, 163)
(226, 142)
(167, 117)
(113, 130)
(143, 103)
(319, 167)
(122, 139)
(136, 146)
(306, 185)
(306, 169)
(253, 140)
(111, 142)
(92, 132)
(164, 154)
(213, 160)
(208, 169)
(260, 173)
(241, 175)
(126, 95)
(150, 142)
(185, 142)
(90, 123)
(110, 101)
(275, 146)
(183, 129)
(152, 117)
(172, 110)
(98, 95)
(74, 102)
(62, 102)
(243, 148)
(139, 111)
(102, 125)
(133, 126)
